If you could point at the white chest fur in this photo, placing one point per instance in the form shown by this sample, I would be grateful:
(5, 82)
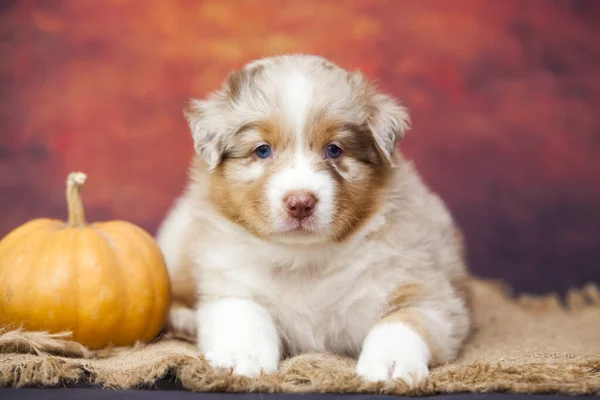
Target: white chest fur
(323, 300)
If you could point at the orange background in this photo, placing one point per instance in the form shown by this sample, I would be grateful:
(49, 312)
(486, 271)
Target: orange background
(504, 97)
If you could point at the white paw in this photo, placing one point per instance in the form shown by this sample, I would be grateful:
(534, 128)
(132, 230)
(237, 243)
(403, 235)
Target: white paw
(386, 368)
(394, 351)
(240, 335)
(250, 363)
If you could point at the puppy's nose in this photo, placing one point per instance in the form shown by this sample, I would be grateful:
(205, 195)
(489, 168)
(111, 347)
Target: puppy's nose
(300, 204)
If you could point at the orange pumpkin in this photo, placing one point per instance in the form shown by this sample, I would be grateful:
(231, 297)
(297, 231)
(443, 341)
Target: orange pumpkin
(105, 282)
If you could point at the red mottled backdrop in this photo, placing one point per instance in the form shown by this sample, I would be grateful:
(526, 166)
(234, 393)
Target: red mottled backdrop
(504, 97)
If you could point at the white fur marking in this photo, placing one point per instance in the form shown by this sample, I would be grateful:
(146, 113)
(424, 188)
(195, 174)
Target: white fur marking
(296, 98)
(239, 334)
(302, 176)
(394, 351)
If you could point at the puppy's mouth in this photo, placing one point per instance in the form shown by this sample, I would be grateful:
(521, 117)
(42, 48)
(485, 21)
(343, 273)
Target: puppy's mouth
(301, 226)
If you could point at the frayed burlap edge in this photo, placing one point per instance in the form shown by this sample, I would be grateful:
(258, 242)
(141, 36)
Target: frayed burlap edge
(42, 359)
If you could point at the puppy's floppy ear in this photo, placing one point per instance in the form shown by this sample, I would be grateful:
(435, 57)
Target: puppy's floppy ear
(387, 120)
(210, 119)
(207, 124)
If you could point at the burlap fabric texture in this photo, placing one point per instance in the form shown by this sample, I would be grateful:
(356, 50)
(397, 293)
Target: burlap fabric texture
(525, 344)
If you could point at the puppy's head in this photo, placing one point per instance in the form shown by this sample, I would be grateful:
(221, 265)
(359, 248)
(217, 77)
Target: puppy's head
(298, 149)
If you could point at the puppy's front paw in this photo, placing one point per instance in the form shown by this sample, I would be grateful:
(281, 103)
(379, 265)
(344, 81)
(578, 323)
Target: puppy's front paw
(247, 362)
(238, 334)
(394, 351)
(383, 367)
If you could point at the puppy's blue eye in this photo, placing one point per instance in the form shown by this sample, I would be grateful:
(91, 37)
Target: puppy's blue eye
(334, 151)
(263, 151)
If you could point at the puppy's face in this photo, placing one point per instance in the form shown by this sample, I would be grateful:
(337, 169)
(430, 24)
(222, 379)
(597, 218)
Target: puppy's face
(298, 149)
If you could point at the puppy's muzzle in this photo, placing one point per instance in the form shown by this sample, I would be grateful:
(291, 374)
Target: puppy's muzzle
(300, 205)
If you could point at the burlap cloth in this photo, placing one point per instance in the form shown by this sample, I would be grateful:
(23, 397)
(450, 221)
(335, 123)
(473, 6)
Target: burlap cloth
(526, 345)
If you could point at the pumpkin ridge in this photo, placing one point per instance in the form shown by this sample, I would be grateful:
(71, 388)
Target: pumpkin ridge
(76, 257)
(118, 256)
(135, 237)
(9, 246)
(51, 253)
(99, 310)
(128, 235)
(30, 249)
(151, 244)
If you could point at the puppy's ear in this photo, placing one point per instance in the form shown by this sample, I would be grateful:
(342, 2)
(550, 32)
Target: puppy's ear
(210, 119)
(387, 120)
(207, 128)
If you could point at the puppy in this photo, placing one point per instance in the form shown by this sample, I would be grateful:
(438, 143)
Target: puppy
(303, 229)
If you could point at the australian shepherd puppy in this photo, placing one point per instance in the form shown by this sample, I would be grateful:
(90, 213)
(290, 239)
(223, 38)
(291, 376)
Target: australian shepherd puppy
(303, 229)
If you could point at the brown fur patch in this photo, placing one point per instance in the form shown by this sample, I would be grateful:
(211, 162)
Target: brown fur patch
(419, 323)
(356, 203)
(328, 65)
(236, 80)
(405, 296)
(359, 143)
(356, 140)
(356, 196)
(234, 83)
(400, 310)
(249, 136)
(242, 201)
(460, 282)
(237, 200)
(254, 72)
(275, 133)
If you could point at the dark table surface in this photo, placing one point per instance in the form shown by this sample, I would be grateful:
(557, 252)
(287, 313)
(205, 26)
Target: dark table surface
(102, 394)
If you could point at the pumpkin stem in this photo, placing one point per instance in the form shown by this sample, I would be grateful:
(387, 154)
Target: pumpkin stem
(75, 182)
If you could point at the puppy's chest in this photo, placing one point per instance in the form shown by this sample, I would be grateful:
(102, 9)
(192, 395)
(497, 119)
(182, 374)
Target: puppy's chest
(318, 305)
(330, 313)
